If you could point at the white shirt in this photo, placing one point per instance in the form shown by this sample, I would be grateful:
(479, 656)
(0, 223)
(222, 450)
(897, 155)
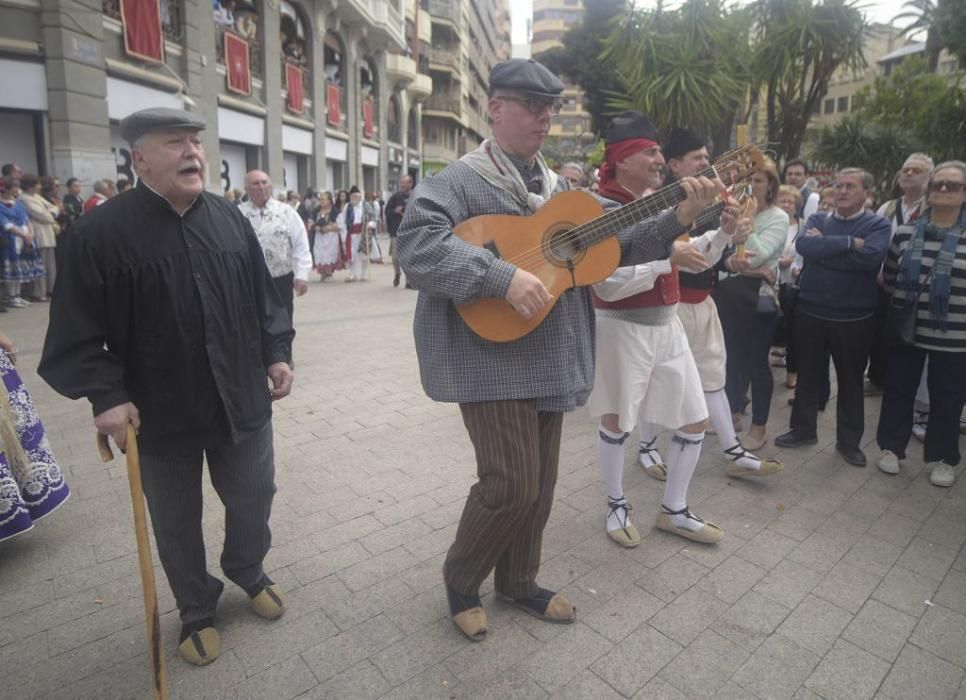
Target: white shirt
(811, 205)
(282, 236)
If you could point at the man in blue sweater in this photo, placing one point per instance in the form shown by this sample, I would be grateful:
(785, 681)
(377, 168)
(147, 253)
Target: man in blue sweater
(843, 252)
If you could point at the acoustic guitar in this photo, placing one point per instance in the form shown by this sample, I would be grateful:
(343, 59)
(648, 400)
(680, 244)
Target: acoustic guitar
(569, 242)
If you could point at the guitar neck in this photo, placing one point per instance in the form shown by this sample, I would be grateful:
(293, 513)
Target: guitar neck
(637, 211)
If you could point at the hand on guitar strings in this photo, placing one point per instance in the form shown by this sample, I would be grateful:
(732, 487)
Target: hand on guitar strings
(699, 193)
(527, 294)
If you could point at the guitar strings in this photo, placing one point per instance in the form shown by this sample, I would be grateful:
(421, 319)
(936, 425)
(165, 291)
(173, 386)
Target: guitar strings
(625, 216)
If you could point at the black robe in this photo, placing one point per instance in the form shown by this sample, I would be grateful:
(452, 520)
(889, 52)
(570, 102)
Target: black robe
(177, 314)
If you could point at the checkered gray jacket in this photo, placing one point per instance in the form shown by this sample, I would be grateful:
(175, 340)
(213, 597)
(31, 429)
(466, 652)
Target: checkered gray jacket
(554, 364)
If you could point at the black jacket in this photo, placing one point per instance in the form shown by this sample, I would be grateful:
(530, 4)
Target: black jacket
(175, 314)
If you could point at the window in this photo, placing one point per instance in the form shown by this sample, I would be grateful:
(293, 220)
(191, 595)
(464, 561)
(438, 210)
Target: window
(843, 105)
(830, 105)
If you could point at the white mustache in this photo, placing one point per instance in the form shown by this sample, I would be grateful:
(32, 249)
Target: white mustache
(190, 164)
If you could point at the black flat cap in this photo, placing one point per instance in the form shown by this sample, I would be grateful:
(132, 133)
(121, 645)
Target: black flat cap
(680, 142)
(631, 125)
(135, 125)
(527, 75)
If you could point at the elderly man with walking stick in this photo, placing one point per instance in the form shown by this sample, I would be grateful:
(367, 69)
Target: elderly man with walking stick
(166, 319)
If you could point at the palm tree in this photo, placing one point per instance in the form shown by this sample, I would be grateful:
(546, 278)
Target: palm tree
(853, 141)
(799, 44)
(923, 15)
(682, 67)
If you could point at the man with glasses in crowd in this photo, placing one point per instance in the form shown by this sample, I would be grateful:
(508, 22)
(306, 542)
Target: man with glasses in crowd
(512, 395)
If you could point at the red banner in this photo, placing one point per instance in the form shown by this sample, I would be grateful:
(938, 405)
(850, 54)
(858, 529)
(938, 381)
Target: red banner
(143, 36)
(293, 82)
(367, 127)
(333, 96)
(236, 61)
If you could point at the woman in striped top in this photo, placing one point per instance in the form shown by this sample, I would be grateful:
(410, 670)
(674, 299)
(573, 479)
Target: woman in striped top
(928, 259)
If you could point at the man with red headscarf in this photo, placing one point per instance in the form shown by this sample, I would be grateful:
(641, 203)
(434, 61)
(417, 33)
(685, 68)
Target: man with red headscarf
(644, 364)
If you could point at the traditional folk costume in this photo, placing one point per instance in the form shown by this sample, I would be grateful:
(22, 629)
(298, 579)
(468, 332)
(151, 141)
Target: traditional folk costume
(285, 244)
(699, 317)
(176, 313)
(644, 367)
(21, 263)
(512, 395)
(357, 230)
(327, 247)
(31, 484)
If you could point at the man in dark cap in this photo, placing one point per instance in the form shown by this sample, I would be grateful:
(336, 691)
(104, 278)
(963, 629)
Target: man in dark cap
(165, 318)
(512, 395)
(645, 371)
(686, 155)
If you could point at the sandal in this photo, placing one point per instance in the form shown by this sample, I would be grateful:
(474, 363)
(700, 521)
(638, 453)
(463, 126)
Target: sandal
(627, 535)
(650, 459)
(709, 532)
(545, 605)
(766, 467)
(467, 614)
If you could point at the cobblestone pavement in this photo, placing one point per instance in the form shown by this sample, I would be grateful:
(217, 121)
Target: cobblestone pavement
(831, 582)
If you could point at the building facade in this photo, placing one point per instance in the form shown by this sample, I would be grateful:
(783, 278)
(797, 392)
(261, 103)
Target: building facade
(468, 37)
(330, 94)
(551, 20)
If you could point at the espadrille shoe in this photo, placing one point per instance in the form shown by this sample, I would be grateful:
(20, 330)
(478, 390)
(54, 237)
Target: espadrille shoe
(269, 602)
(545, 605)
(708, 533)
(200, 646)
(618, 513)
(651, 460)
(745, 463)
(467, 614)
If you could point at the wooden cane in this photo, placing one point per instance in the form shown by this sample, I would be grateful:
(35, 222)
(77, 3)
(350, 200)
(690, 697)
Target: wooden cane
(159, 684)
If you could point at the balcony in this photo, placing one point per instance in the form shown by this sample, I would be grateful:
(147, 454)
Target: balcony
(421, 87)
(445, 105)
(387, 29)
(448, 10)
(400, 69)
(445, 59)
(424, 28)
(170, 16)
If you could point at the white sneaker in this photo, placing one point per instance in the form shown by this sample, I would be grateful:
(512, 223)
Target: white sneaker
(19, 303)
(942, 474)
(889, 463)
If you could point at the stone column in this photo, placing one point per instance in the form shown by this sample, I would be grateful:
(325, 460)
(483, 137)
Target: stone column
(385, 92)
(318, 90)
(204, 83)
(270, 19)
(80, 134)
(353, 105)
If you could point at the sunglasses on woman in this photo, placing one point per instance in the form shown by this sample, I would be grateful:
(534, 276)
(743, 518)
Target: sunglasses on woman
(949, 186)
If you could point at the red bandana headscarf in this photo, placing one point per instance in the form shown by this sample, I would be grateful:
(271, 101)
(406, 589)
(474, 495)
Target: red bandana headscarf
(618, 151)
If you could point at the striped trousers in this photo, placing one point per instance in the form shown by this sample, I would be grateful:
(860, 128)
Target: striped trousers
(243, 475)
(517, 452)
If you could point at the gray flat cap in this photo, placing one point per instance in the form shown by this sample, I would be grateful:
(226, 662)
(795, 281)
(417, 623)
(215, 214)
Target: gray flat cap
(527, 75)
(135, 125)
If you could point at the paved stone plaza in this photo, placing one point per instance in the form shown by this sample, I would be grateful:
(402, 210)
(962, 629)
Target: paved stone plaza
(831, 582)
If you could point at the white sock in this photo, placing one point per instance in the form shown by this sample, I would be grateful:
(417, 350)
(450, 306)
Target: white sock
(720, 414)
(682, 461)
(610, 454)
(619, 515)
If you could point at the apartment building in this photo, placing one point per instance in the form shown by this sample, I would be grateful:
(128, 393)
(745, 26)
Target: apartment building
(469, 37)
(318, 93)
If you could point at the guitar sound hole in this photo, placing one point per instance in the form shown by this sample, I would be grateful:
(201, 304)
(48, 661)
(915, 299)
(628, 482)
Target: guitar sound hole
(562, 248)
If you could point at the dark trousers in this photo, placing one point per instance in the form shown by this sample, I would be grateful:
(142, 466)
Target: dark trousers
(848, 344)
(787, 296)
(878, 362)
(286, 291)
(947, 388)
(244, 478)
(517, 451)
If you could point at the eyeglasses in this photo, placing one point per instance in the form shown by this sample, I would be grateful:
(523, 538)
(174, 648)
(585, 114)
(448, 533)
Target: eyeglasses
(948, 185)
(536, 105)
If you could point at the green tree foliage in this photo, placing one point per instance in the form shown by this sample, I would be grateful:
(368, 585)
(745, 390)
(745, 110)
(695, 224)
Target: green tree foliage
(924, 20)
(798, 45)
(683, 67)
(579, 59)
(909, 110)
(951, 20)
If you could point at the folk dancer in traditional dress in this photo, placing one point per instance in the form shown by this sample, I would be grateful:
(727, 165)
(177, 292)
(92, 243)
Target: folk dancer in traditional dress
(512, 395)
(327, 248)
(645, 371)
(357, 230)
(686, 155)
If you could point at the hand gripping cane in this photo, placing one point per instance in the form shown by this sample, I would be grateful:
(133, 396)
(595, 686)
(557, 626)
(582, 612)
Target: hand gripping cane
(159, 681)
